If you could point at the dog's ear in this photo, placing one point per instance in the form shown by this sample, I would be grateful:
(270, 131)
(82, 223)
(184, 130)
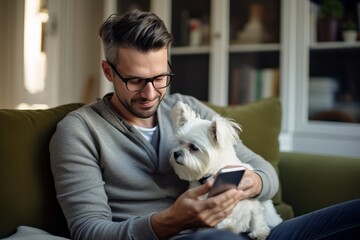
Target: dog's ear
(181, 114)
(224, 131)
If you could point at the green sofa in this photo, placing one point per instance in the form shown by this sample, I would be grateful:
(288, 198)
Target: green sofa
(27, 194)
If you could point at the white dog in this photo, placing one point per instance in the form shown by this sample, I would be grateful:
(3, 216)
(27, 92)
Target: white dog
(206, 147)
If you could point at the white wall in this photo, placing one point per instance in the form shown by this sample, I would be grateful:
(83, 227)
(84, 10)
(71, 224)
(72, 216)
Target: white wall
(4, 67)
(74, 62)
(91, 69)
(87, 47)
(8, 18)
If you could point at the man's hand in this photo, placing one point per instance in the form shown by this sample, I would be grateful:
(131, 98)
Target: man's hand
(189, 211)
(250, 184)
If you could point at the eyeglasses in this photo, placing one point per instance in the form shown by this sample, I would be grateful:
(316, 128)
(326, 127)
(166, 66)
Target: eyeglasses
(137, 84)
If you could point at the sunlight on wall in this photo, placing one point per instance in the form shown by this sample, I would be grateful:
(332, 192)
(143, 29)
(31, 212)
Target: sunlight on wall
(36, 17)
(25, 106)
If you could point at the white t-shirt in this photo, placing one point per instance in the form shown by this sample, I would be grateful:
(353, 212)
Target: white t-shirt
(148, 133)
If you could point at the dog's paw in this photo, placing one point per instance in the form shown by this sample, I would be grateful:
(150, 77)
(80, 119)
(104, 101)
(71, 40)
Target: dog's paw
(227, 224)
(261, 237)
(260, 234)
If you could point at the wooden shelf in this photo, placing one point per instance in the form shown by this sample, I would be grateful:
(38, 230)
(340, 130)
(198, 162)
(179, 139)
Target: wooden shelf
(190, 50)
(254, 47)
(333, 45)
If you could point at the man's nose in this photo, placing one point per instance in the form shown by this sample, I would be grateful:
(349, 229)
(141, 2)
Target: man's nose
(149, 91)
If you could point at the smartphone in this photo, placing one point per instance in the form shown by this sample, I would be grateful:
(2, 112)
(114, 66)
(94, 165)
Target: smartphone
(227, 178)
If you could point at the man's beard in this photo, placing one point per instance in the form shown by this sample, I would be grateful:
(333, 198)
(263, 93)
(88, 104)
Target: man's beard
(142, 112)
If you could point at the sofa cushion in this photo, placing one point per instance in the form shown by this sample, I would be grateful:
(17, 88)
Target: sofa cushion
(25, 176)
(261, 123)
(316, 181)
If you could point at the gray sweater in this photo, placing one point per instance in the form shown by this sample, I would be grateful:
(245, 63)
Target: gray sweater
(110, 180)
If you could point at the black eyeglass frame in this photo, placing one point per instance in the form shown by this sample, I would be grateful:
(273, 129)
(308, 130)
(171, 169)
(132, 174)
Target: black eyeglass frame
(147, 80)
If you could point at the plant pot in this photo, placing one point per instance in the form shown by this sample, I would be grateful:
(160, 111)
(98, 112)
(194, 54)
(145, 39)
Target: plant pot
(349, 36)
(328, 29)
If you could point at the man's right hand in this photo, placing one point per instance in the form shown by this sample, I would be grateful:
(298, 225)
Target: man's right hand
(190, 211)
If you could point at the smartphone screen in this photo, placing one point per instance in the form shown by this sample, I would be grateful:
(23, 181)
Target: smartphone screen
(227, 178)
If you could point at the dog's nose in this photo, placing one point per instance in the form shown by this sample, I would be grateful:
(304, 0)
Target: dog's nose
(177, 159)
(177, 154)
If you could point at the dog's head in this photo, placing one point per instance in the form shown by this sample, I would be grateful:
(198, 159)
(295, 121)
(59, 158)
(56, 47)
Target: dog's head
(202, 143)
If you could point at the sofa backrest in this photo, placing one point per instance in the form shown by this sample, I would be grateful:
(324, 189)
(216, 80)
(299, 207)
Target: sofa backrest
(27, 193)
(261, 124)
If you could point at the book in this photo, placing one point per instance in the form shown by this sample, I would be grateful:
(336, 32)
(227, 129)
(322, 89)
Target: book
(235, 86)
(248, 84)
(358, 15)
(258, 84)
(270, 83)
(184, 27)
(242, 85)
(267, 81)
(314, 12)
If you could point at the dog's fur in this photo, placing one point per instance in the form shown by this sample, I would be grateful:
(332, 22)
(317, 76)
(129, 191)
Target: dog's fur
(206, 147)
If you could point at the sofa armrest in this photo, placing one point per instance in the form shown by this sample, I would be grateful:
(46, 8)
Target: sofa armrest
(310, 182)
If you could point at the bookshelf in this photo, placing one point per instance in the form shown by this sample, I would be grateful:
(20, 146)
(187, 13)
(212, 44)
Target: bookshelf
(254, 47)
(254, 51)
(336, 82)
(123, 6)
(190, 25)
(334, 45)
(327, 87)
(228, 46)
(291, 54)
(213, 69)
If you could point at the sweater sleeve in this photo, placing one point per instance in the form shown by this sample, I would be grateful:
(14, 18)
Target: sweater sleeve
(80, 187)
(267, 173)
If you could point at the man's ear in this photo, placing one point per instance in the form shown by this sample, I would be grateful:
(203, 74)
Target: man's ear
(108, 72)
(181, 114)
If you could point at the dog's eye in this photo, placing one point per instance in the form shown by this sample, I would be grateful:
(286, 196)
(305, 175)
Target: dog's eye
(193, 147)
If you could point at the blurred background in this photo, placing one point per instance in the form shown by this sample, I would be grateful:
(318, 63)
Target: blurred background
(304, 52)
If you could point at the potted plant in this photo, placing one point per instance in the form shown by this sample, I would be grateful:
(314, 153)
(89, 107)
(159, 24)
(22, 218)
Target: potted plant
(331, 12)
(349, 32)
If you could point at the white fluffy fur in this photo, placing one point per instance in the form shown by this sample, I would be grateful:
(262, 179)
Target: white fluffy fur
(206, 147)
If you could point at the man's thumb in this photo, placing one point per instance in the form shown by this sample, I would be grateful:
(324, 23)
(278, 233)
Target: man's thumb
(201, 190)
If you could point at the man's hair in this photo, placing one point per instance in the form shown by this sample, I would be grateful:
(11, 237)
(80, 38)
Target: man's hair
(143, 31)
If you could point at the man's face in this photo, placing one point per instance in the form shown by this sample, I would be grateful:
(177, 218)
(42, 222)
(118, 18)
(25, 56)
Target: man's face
(136, 107)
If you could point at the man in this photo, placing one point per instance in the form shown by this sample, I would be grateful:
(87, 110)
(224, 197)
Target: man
(110, 159)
